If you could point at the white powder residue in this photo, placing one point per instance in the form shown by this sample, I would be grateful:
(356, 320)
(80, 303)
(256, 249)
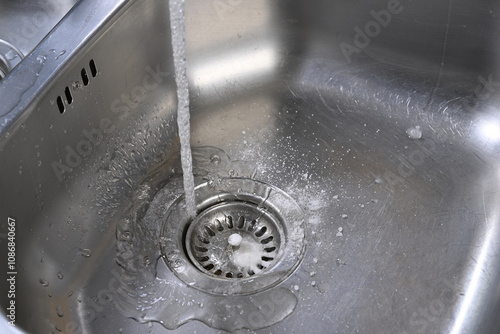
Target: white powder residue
(249, 255)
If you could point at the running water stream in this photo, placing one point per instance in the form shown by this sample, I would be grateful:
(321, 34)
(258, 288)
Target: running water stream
(179, 49)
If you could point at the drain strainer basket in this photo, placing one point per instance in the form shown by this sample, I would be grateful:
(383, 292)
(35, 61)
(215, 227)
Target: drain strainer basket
(247, 237)
(234, 240)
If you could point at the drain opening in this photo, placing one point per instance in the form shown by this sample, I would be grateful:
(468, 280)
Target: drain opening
(220, 248)
(248, 237)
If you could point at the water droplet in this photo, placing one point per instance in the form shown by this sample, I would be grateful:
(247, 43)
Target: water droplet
(60, 54)
(344, 216)
(177, 264)
(215, 159)
(322, 287)
(60, 275)
(41, 59)
(59, 311)
(85, 252)
(414, 132)
(44, 282)
(296, 287)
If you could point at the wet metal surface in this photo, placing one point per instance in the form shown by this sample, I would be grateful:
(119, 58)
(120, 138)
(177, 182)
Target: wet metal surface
(379, 118)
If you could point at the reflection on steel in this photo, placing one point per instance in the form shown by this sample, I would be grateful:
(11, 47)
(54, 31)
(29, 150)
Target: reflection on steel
(392, 155)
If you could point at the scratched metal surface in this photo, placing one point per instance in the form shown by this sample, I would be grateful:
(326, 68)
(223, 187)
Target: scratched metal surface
(325, 100)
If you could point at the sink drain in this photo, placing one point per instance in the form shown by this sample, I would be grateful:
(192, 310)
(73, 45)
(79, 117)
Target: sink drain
(248, 236)
(234, 240)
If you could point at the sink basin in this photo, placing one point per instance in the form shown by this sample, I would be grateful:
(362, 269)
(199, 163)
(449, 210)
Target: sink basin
(364, 136)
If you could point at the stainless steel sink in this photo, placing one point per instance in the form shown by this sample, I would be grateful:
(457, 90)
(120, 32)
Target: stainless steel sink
(23, 24)
(365, 133)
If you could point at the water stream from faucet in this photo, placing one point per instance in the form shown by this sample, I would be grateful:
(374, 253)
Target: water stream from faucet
(183, 117)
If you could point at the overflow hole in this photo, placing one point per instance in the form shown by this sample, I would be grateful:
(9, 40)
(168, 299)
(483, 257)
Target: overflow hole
(85, 77)
(93, 68)
(60, 105)
(69, 96)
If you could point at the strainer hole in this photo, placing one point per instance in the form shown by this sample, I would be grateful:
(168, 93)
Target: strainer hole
(241, 222)
(219, 225)
(203, 259)
(260, 266)
(209, 231)
(239, 275)
(261, 232)
(251, 227)
(270, 249)
(267, 259)
(229, 275)
(251, 273)
(209, 267)
(229, 220)
(218, 272)
(267, 240)
(201, 249)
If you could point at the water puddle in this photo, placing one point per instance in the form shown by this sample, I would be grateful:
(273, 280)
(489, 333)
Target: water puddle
(150, 288)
